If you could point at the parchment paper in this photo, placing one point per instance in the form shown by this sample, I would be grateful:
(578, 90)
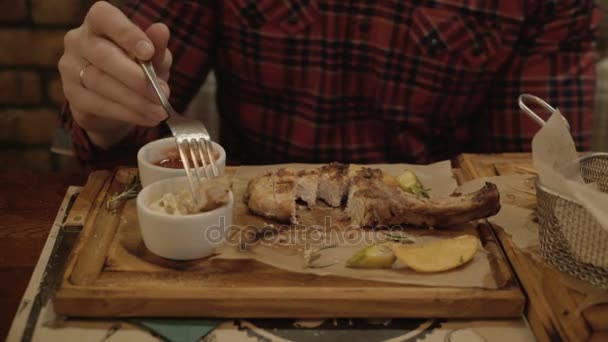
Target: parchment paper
(556, 160)
(323, 226)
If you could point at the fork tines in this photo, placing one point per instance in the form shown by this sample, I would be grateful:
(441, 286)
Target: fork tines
(203, 148)
(200, 156)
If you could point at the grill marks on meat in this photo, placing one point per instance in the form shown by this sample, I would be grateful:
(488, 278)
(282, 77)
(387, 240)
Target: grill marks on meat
(372, 197)
(273, 195)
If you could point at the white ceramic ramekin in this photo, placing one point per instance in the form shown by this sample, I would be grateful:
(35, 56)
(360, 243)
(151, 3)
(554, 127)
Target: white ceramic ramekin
(158, 150)
(180, 237)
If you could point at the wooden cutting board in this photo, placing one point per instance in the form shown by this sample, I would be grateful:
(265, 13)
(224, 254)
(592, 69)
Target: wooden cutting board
(552, 308)
(152, 286)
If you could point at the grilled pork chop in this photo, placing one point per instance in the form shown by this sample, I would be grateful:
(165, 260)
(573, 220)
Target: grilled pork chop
(374, 202)
(373, 197)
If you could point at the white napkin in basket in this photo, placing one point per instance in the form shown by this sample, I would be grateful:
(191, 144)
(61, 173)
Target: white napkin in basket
(556, 161)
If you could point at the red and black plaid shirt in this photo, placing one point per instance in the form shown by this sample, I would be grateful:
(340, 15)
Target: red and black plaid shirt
(373, 81)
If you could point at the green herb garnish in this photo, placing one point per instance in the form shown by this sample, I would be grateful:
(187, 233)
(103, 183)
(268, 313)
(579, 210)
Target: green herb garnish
(398, 238)
(314, 256)
(130, 192)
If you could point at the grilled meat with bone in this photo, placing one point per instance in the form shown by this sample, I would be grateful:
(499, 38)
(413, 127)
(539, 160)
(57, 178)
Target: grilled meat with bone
(372, 197)
(374, 202)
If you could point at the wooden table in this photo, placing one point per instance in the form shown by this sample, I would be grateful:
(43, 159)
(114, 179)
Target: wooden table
(552, 305)
(28, 205)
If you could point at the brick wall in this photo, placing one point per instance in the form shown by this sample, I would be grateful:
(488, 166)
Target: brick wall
(31, 40)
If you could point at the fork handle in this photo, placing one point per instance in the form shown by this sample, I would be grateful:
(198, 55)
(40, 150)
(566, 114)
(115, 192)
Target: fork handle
(151, 75)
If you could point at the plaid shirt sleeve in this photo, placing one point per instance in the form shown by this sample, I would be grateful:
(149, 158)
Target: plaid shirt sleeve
(554, 60)
(192, 24)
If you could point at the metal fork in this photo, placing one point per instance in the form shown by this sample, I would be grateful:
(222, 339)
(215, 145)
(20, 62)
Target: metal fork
(190, 135)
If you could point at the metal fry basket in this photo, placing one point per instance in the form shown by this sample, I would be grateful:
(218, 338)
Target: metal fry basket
(571, 239)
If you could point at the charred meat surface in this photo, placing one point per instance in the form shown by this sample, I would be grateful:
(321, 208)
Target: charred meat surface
(382, 205)
(273, 195)
(373, 197)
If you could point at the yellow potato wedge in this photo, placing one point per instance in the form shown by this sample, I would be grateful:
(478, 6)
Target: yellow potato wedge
(438, 256)
(372, 256)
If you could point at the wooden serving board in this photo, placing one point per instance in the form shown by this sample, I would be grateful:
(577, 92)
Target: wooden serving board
(552, 306)
(153, 286)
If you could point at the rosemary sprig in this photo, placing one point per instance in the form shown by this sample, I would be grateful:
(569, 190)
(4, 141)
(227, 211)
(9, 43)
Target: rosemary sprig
(130, 191)
(425, 193)
(398, 238)
(314, 256)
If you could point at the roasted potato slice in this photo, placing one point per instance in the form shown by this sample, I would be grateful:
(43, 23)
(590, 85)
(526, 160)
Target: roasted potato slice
(438, 256)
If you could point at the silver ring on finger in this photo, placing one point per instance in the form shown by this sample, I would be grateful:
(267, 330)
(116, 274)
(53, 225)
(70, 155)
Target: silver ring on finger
(81, 74)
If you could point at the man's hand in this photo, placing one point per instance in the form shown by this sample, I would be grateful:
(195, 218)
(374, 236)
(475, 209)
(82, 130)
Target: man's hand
(113, 93)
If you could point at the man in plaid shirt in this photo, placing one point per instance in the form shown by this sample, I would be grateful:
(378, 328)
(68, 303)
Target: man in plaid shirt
(331, 80)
